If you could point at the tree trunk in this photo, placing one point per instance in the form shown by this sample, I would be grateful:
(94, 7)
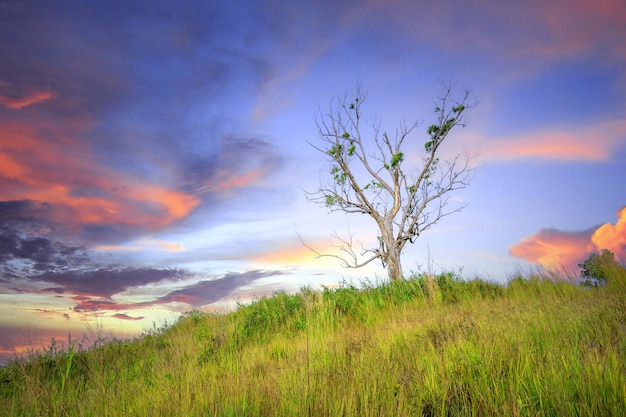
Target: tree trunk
(394, 266)
(392, 252)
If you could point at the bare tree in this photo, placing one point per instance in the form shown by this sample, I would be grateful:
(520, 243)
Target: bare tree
(368, 176)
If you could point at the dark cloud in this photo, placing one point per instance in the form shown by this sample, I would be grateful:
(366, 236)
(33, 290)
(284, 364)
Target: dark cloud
(89, 304)
(207, 292)
(25, 240)
(123, 316)
(106, 282)
(26, 215)
(196, 295)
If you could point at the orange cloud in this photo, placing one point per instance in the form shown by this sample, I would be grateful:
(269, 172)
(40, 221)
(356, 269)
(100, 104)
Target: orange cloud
(612, 237)
(287, 255)
(566, 145)
(64, 173)
(298, 254)
(555, 249)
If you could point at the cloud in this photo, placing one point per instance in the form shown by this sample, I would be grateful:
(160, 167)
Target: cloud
(612, 237)
(52, 166)
(16, 100)
(143, 244)
(594, 143)
(579, 27)
(242, 162)
(106, 282)
(137, 137)
(26, 244)
(196, 295)
(207, 292)
(99, 205)
(40, 253)
(123, 316)
(533, 30)
(556, 249)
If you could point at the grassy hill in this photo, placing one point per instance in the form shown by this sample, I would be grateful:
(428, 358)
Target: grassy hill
(424, 347)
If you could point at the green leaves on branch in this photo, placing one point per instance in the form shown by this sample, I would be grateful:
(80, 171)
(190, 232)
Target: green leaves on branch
(335, 151)
(458, 109)
(374, 185)
(397, 158)
(333, 200)
(351, 149)
(437, 132)
(339, 175)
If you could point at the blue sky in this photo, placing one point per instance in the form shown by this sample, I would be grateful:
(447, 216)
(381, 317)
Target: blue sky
(153, 154)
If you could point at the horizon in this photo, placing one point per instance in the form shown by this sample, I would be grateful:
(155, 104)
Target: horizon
(153, 155)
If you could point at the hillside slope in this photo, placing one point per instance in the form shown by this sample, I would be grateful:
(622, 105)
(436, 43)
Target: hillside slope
(424, 347)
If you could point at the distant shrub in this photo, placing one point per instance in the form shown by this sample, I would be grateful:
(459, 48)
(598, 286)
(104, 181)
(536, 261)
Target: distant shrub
(596, 268)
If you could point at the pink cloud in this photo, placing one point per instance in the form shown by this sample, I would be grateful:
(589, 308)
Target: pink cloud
(574, 27)
(556, 249)
(226, 181)
(564, 145)
(65, 174)
(523, 33)
(12, 98)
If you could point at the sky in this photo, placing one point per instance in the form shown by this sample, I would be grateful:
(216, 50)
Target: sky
(154, 155)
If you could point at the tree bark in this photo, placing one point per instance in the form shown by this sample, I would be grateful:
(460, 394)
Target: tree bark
(394, 266)
(393, 252)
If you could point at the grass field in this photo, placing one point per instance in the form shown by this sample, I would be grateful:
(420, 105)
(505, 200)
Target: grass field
(427, 346)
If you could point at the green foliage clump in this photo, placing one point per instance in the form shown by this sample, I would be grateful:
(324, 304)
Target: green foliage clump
(267, 315)
(397, 158)
(346, 300)
(596, 268)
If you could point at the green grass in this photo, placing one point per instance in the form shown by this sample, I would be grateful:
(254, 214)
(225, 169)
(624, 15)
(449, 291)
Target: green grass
(428, 346)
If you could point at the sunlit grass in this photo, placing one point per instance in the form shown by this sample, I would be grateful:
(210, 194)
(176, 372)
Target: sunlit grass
(429, 346)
